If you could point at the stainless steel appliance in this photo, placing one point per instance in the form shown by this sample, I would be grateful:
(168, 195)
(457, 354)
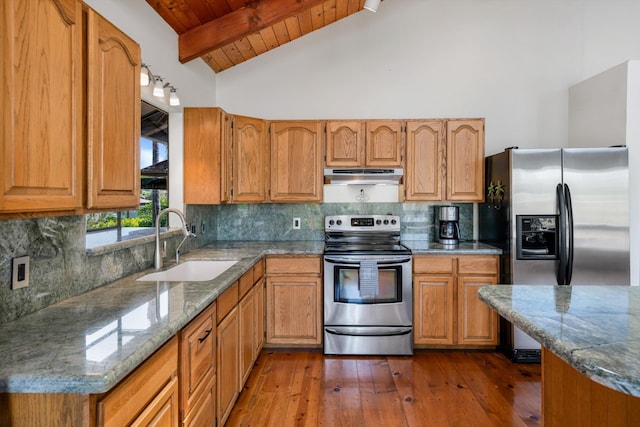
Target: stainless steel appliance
(561, 216)
(448, 217)
(368, 297)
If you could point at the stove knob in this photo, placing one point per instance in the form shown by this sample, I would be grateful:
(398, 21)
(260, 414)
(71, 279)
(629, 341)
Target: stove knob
(378, 221)
(339, 222)
(386, 222)
(393, 221)
(331, 222)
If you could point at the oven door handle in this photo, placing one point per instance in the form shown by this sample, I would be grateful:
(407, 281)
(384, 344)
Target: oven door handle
(370, 331)
(380, 261)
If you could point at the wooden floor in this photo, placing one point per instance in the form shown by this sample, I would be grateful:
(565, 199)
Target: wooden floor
(432, 388)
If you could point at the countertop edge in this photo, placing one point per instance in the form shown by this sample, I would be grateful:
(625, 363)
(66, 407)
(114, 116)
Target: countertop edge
(570, 356)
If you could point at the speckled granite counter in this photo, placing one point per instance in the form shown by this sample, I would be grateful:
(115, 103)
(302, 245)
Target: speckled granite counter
(422, 247)
(595, 329)
(88, 343)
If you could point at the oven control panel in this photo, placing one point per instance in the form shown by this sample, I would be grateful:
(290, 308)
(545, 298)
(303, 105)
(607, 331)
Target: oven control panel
(362, 223)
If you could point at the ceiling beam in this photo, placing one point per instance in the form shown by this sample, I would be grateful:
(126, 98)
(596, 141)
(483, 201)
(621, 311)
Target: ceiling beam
(236, 25)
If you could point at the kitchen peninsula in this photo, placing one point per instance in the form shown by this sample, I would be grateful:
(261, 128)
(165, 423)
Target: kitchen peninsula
(591, 341)
(72, 355)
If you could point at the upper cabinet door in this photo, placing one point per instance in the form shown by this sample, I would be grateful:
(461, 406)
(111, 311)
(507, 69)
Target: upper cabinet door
(113, 103)
(344, 145)
(296, 161)
(424, 160)
(250, 160)
(41, 105)
(465, 160)
(384, 143)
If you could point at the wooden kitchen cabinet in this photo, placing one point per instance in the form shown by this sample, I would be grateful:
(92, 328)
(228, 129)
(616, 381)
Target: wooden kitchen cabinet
(113, 116)
(445, 160)
(198, 369)
(447, 310)
(294, 300)
(383, 144)
(226, 157)
(465, 160)
(344, 146)
(357, 143)
(250, 160)
(148, 396)
(228, 359)
(296, 161)
(207, 155)
(425, 160)
(477, 323)
(251, 312)
(50, 59)
(42, 103)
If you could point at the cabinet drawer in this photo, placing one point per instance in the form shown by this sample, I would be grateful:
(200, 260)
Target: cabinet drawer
(433, 264)
(477, 264)
(120, 406)
(258, 271)
(226, 301)
(246, 282)
(198, 349)
(293, 265)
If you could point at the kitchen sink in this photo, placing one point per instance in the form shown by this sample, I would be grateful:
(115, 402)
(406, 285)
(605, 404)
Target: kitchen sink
(190, 271)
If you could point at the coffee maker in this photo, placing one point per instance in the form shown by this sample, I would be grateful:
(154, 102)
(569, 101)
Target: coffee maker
(449, 231)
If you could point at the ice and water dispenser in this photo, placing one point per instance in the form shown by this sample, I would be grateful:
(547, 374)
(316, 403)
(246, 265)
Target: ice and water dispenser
(536, 237)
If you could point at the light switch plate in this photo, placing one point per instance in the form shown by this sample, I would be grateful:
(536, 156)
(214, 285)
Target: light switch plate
(296, 223)
(20, 276)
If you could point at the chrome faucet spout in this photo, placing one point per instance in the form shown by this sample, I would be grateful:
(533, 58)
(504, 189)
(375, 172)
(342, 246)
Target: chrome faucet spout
(157, 260)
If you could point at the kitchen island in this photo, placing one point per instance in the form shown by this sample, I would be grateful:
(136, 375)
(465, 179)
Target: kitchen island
(591, 345)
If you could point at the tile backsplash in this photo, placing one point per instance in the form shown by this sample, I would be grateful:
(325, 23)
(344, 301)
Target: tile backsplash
(61, 266)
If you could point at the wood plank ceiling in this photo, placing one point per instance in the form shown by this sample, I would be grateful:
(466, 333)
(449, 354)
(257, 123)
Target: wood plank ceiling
(225, 33)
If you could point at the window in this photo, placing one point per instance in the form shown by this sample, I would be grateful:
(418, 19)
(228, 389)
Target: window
(109, 227)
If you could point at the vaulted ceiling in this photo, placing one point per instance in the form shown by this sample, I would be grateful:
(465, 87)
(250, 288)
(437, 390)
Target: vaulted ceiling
(225, 33)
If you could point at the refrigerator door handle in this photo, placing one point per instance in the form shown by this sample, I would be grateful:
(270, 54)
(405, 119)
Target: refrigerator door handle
(562, 266)
(569, 268)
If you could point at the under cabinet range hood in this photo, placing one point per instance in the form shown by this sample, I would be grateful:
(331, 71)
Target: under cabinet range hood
(363, 176)
(358, 185)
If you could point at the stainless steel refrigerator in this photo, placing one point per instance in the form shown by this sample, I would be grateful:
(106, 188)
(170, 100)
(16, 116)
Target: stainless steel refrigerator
(561, 217)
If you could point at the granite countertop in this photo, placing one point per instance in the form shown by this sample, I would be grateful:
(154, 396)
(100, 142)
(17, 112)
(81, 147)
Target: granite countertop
(595, 329)
(421, 247)
(88, 343)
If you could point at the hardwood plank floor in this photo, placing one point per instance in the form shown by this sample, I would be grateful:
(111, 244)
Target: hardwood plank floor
(431, 388)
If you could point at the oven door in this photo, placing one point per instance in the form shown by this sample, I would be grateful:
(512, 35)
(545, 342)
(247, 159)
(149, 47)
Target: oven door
(348, 303)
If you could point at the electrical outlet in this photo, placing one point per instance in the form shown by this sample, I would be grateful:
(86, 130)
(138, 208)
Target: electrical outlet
(20, 277)
(193, 228)
(296, 223)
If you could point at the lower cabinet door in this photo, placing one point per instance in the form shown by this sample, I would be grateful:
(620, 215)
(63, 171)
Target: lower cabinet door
(163, 410)
(434, 310)
(477, 323)
(228, 371)
(203, 411)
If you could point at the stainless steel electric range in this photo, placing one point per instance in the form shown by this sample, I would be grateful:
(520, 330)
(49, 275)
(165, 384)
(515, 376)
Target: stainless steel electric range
(368, 297)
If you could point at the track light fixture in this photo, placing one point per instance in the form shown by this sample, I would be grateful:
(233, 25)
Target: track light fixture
(145, 77)
(158, 89)
(372, 5)
(173, 97)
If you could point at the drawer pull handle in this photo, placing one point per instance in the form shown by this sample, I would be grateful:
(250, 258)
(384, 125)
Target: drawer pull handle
(204, 338)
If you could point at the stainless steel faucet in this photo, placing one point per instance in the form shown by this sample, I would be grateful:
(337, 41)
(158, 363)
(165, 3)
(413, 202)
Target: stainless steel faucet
(157, 261)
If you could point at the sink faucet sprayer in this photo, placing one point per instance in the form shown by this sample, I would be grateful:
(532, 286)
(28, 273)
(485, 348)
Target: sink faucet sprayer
(157, 261)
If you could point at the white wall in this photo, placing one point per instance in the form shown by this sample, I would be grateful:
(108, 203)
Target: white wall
(511, 61)
(605, 110)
